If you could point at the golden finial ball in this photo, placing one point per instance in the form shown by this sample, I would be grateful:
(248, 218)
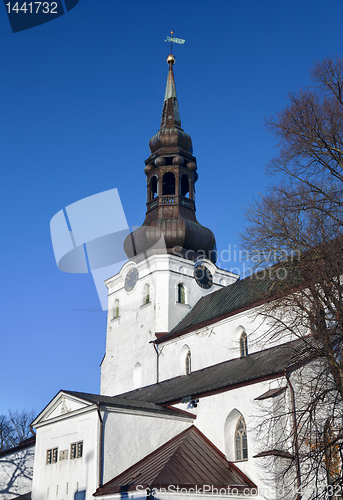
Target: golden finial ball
(171, 59)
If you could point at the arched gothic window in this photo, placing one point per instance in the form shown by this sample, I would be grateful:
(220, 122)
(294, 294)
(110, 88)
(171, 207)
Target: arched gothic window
(188, 363)
(241, 440)
(168, 183)
(116, 309)
(146, 296)
(181, 295)
(243, 344)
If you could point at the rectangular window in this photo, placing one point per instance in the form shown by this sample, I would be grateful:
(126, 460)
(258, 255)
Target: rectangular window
(76, 450)
(79, 449)
(52, 456)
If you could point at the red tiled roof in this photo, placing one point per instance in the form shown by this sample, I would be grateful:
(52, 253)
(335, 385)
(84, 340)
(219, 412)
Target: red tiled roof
(188, 460)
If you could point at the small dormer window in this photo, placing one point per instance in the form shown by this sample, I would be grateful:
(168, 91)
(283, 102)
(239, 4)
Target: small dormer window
(243, 344)
(181, 295)
(116, 309)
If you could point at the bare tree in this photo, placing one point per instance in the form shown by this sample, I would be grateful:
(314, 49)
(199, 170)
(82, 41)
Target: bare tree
(15, 428)
(297, 228)
(5, 431)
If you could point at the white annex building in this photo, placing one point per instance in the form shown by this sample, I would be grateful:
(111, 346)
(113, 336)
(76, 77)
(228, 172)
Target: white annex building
(182, 373)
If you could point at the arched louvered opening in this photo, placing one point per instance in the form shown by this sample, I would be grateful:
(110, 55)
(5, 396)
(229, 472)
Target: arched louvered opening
(153, 187)
(168, 183)
(184, 185)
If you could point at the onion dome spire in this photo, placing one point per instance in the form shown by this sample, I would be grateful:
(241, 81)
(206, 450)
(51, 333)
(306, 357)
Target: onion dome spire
(171, 176)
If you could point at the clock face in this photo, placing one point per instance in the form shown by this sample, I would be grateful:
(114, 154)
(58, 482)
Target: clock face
(131, 279)
(203, 277)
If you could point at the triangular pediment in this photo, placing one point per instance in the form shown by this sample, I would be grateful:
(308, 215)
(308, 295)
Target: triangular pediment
(62, 405)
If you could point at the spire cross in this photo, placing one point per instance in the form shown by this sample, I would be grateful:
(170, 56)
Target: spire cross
(172, 39)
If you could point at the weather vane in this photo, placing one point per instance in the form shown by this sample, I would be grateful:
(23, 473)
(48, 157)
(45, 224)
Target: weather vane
(171, 39)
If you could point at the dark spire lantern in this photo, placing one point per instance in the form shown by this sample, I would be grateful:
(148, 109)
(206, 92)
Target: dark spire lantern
(171, 176)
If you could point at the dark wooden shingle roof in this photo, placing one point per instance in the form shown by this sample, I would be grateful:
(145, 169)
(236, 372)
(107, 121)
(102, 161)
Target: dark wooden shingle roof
(239, 296)
(129, 404)
(267, 364)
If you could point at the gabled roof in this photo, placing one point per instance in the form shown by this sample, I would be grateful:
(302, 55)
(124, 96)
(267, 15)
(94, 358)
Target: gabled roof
(263, 365)
(187, 460)
(88, 402)
(130, 404)
(237, 297)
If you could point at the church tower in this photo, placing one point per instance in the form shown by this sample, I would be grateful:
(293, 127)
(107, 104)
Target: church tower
(171, 177)
(172, 260)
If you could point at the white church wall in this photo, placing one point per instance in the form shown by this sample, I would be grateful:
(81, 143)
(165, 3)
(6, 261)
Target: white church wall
(130, 437)
(132, 327)
(16, 472)
(129, 334)
(67, 478)
(210, 345)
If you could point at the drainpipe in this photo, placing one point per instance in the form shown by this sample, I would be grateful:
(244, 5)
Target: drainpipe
(157, 360)
(100, 444)
(295, 429)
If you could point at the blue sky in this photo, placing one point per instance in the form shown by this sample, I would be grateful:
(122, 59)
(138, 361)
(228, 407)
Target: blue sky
(80, 98)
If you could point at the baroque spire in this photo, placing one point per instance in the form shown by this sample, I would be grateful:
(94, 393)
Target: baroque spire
(171, 176)
(170, 112)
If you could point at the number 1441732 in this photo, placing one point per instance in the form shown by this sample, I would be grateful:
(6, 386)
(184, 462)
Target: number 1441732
(33, 7)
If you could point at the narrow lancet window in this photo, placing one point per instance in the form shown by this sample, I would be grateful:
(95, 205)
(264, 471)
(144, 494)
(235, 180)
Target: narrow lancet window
(146, 296)
(188, 363)
(243, 344)
(181, 296)
(116, 309)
